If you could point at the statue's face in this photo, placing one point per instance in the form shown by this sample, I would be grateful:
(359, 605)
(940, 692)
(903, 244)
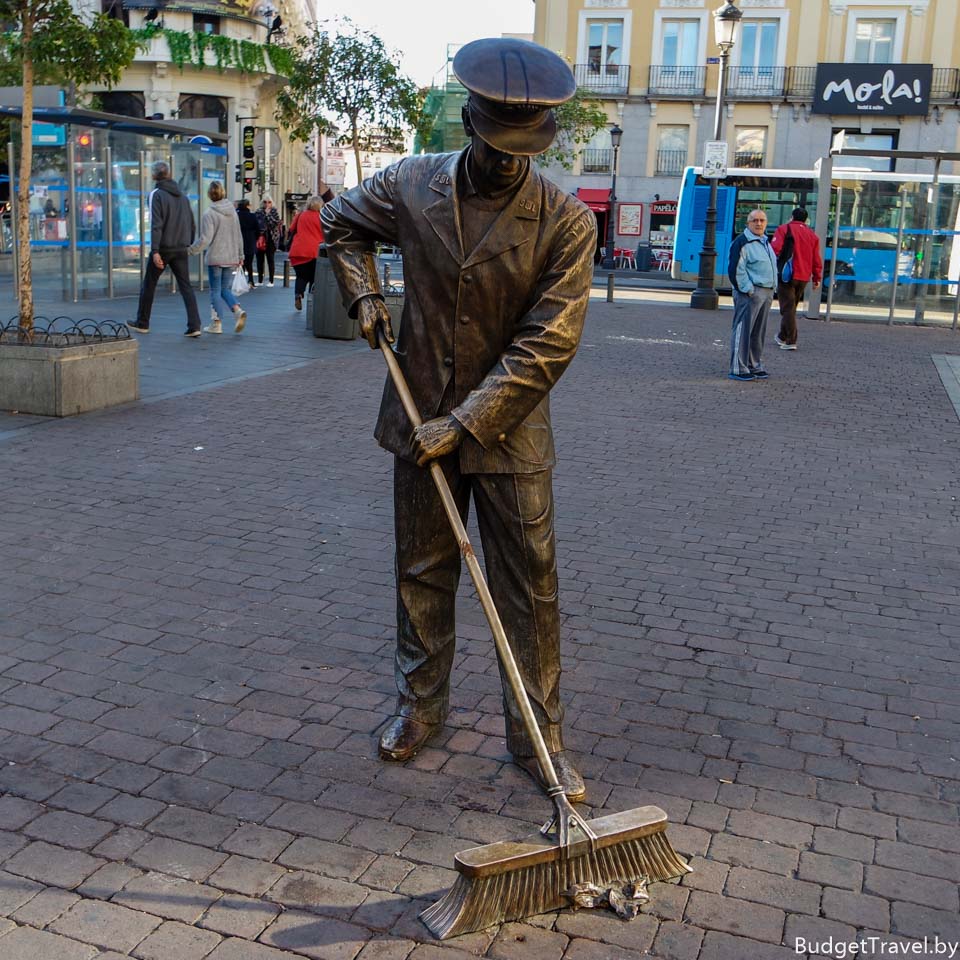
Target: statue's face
(492, 168)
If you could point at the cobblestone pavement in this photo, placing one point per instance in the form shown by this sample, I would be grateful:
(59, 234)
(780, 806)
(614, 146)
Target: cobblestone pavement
(761, 592)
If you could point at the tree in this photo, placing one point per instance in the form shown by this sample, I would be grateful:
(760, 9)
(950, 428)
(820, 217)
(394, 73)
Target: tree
(47, 41)
(578, 120)
(341, 73)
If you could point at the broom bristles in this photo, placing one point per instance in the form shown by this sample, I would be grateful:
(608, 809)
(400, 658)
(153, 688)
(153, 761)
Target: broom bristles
(477, 902)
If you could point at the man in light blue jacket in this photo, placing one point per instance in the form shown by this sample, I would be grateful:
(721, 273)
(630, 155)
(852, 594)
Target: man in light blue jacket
(753, 273)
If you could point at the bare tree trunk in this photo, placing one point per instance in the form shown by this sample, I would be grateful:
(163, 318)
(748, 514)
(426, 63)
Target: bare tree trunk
(26, 170)
(356, 148)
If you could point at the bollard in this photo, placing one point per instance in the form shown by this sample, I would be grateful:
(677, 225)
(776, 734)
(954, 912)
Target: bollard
(610, 287)
(286, 273)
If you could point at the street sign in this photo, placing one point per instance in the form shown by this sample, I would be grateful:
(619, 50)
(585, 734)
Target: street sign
(715, 159)
(249, 134)
(263, 137)
(713, 59)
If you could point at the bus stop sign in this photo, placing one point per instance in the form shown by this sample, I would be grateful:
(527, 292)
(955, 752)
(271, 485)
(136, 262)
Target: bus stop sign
(715, 159)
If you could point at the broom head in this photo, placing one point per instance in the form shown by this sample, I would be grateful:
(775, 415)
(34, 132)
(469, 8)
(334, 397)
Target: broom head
(510, 880)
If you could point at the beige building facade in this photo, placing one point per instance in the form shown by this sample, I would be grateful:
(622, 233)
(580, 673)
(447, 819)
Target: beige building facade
(801, 70)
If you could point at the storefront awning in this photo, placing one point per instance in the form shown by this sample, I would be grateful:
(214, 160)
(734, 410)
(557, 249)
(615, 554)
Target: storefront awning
(598, 200)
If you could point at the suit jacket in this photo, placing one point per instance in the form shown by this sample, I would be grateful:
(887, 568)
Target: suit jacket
(503, 320)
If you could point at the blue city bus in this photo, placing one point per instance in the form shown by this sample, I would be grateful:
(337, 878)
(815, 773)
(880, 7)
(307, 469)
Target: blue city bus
(873, 246)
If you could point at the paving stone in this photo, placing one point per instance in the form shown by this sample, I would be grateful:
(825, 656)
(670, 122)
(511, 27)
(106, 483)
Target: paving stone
(192, 826)
(330, 859)
(736, 917)
(793, 896)
(69, 829)
(260, 843)
(122, 844)
(723, 946)
(133, 811)
(677, 941)
(252, 877)
(51, 865)
(319, 938)
(108, 880)
(902, 885)
(831, 871)
(856, 909)
(45, 907)
(392, 949)
(607, 928)
(165, 896)
(177, 941)
(105, 925)
(25, 943)
(317, 894)
(238, 916)
(15, 812)
(237, 949)
(180, 859)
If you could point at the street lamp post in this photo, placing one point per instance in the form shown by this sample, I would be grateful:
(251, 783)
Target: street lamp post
(609, 262)
(726, 22)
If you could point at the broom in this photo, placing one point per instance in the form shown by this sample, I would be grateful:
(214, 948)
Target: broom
(514, 879)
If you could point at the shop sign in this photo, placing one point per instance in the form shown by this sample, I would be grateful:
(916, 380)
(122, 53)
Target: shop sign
(660, 208)
(876, 89)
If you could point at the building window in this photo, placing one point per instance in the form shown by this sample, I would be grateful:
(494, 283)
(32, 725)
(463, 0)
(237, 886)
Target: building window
(751, 146)
(679, 54)
(759, 43)
(597, 155)
(873, 41)
(197, 106)
(672, 150)
(204, 23)
(604, 47)
(123, 102)
(867, 141)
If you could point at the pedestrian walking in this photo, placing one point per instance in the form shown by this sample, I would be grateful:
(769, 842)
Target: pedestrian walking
(753, 273)
(220, 236)
(306, 233)
(498, 267)
(268, 224)
(799, 262)
(172, 230)
(248, 230)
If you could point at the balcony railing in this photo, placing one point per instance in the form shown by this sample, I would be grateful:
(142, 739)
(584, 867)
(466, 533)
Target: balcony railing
(668, 81)
(760, 83)
(670, 163)
(801, 82)
(747, 158)
(946, 84)
(602, 79)
(596, 161)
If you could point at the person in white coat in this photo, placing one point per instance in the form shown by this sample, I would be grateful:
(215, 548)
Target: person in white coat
(220, 237)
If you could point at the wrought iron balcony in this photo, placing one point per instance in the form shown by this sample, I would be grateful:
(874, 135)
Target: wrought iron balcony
(603, 79)
(747, 158)
(801, 83)
(755, 83)
(669, 81)
(670, 163)
(596, 161)
(946, 84)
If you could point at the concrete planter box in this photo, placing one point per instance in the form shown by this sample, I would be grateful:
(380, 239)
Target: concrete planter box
(63, 381)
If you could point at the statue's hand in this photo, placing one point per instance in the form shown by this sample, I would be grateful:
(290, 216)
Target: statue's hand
(373, 313)
(436, 438)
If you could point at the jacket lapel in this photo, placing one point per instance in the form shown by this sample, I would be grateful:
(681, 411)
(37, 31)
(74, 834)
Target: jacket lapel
(515, 225)
(444, 215)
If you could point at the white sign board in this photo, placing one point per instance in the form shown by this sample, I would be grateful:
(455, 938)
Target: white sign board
(715, 159)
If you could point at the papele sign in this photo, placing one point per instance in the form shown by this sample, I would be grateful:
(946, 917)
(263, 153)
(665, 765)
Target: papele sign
(877, 89)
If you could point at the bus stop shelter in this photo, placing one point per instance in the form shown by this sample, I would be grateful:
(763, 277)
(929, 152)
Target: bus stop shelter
(89, 189)
(901, 232)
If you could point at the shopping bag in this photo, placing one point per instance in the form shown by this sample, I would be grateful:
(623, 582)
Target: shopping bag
(239, 285)
(262, 242)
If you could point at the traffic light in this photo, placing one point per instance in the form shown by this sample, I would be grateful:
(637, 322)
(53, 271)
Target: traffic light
(248, 185)
(84, 140)
(237, 178)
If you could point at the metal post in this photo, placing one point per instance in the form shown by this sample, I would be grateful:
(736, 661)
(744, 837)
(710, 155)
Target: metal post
(956, 309)
(286, 272)
(896, 266)
(705, 297)
(933, 202)
(108, 218)
(72, 220)
(609, 262)
(173, 279)
(15, 253)
(199, 218)
(821, 218)
(833, 257)
(143, 214)
(610, 282)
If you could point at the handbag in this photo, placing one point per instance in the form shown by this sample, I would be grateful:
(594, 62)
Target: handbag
(239, 286)
(785, 259)
(261, 243)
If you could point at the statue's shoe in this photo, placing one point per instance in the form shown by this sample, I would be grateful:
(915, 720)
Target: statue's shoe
(404, 737)
(567, 774)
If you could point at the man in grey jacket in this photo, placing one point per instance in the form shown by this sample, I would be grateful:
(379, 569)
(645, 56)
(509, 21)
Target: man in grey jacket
(753, 273)
(172, 229)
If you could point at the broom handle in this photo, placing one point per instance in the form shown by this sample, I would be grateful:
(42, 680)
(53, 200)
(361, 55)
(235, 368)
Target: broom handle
(483, 591)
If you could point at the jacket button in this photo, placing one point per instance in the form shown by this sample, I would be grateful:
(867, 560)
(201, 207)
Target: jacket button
(464, 319)
(501, 438)
(468, 279)
(448, 361)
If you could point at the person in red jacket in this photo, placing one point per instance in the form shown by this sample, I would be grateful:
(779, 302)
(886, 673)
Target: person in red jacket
(307, 236)
(807, 266)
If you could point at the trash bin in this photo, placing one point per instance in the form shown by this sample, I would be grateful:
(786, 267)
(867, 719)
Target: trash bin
(326, 314)
(643, 256)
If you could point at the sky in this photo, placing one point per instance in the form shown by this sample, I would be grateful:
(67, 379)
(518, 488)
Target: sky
(421, 29)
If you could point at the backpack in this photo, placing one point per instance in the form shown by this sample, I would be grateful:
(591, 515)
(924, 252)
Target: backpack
(785, 258)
